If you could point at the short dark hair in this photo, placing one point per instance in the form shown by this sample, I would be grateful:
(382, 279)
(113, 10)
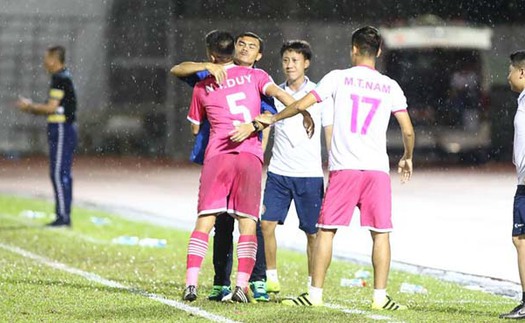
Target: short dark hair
(517, 59)
(220, 44)
(367, 40)
(252, 35)
(59, 52)
(298, 46)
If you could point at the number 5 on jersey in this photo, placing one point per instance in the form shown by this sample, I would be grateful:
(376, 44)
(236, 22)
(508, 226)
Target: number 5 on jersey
(236, 108)
(357, 103)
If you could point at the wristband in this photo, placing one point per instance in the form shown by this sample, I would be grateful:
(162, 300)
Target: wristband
(256, 126)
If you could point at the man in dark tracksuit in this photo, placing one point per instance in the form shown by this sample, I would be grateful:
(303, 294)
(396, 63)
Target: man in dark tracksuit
(60, 110)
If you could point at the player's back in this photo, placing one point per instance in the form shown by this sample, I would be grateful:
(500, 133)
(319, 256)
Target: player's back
(364, 100)
(237, 100)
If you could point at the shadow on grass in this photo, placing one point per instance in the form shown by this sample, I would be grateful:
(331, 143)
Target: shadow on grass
(481, 316)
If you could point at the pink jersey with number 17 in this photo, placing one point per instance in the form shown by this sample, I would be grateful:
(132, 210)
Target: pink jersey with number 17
(364, 99)
(237, 100)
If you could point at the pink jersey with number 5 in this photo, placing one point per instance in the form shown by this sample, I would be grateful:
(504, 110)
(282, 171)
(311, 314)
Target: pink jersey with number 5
(364, 99)
(237, 100)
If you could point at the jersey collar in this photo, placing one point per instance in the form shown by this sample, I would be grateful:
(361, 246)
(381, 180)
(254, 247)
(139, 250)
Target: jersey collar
(521, 97)
(289, 90)
(229, 65)
(366, 66)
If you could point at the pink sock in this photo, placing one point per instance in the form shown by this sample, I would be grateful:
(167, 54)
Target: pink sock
(197, 248)
(246, 251)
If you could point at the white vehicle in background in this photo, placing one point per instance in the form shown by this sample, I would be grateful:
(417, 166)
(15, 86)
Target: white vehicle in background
(443, 70)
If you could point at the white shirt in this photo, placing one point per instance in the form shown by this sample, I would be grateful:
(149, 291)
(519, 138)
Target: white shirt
(293, 153)
(364, 99)
(518, 156)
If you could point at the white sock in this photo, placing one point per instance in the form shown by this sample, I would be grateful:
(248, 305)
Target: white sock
(271, 274)
(309, 281)
(379, 296)
(316, 294)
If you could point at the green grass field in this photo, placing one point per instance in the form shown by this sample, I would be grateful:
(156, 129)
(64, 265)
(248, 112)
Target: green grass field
(53, 275)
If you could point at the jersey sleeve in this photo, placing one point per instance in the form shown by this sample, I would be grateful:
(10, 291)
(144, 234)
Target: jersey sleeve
(58, 88)
(268, 104)
(399, 101)
(263, 80)
(196, 113)
(327, 112)
(325, 87)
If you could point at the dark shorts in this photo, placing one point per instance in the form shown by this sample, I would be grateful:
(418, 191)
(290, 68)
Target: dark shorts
(518, 227)
(306, 192)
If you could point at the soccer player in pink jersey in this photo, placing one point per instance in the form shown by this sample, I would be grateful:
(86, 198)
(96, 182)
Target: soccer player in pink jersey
(248, 51)
(232, 171)
(364, 99)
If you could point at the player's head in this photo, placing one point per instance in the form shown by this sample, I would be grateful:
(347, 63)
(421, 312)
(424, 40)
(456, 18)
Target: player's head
(248, 49)
(54, 58)
(220, 46)
(516, 75)
(295, 58)
(366, 42)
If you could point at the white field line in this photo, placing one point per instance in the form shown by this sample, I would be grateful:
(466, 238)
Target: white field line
(467, 301)
(103, 281)
(110, 283)
(442, 301)
(77, 234)
(369, 315)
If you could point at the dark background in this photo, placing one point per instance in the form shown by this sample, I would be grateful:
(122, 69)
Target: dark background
(120, 53)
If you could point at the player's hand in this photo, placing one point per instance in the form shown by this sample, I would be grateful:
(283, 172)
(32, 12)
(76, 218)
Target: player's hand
(24, 104)
(308, 123)
(218, 71)
(241, 132)
(265, 118)
(404, 168)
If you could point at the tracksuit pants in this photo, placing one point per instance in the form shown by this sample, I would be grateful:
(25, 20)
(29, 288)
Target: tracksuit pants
(62, 140)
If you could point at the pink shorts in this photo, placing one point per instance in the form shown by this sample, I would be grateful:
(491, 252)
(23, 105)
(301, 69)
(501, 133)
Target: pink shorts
(231, 183)
(370, 191)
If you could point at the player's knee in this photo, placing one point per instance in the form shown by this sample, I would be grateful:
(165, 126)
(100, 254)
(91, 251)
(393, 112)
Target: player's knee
(310, 237)
(326, 234)
(268, 227)
(519, 241)
(380, 236)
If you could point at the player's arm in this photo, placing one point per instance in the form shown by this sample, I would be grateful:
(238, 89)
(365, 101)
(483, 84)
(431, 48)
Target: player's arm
(265, 135)
(186, 69)
(407, 131)
(292, 108)
(299, 106)
(196, 112)
(26, 105)
(328, 130)
(195, 128)
(245, 130)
